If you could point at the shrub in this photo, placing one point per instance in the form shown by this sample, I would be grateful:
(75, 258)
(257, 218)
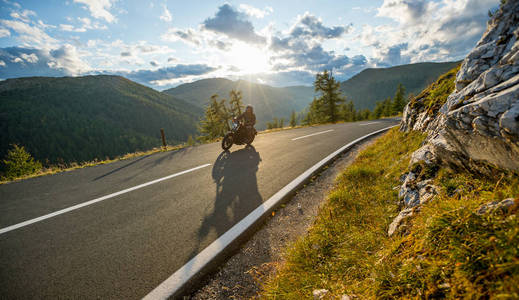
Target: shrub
(19, 163)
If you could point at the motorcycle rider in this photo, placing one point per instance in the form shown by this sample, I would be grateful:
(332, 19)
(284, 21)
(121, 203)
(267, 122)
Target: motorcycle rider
(249, 119)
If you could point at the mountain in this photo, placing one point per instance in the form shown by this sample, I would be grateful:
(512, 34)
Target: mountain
(268, 101)
(372, 85)
(76, 119)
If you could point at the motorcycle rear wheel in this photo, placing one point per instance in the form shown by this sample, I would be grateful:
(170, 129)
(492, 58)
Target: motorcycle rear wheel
(227, 141)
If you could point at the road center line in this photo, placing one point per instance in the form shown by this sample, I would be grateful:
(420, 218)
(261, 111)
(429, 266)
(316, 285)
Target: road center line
(305, 136)
(369, 123)
(78, 206)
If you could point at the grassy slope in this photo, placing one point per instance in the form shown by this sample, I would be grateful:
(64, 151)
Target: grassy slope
(450, 251)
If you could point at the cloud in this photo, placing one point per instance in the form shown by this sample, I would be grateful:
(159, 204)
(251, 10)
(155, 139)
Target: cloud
(99, 9)
(166, 15)
(126, 54)
(154, 63)
(163, 76)
(85, 24)
(23, 62)
(189, 36)
(28, 35)
(311, 26)
(405, 11)
(433, 31)
(220, 45)
(256, 12)
(301, 48)
(233, 24)
(24, 15)
(67, 59)
(4, 32)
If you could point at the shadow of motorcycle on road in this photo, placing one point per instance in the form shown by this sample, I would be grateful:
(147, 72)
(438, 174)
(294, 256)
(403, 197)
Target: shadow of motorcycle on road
(236, 190)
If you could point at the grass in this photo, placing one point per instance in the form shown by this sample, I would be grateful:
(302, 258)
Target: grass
(450, 250)
(435, 95)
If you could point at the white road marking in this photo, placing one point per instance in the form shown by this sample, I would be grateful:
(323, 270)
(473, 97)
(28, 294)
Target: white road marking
(305, 136)
(177, 280)
(78, 206)
(369, 123)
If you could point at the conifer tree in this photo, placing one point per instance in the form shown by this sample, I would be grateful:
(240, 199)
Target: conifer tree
(236, 103)
(293, 119)
(399, 100)
(330, 97)
(19, 162)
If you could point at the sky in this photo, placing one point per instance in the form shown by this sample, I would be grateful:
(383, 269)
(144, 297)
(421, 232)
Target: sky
(163, 43)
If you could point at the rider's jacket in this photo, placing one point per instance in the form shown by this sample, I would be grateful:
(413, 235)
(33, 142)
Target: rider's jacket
(249, 118)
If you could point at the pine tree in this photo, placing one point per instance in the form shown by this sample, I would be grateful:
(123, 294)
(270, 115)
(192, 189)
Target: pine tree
(379, 110)
(236, 103)
(399, 100)
(388, 107)
(348, 111)
(215, 122)
(19, 162)
(293, 119)
(330, 98)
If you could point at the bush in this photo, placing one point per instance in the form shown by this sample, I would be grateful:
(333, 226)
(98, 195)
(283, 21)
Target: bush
(19, 163)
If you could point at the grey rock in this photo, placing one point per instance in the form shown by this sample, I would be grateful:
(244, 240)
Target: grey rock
(319, 294)
(397, 221)
(502, 205)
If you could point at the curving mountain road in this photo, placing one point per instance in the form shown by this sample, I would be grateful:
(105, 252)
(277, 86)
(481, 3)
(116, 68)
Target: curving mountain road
(119, 230)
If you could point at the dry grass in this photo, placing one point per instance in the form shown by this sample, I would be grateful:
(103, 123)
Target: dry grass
(451, 251)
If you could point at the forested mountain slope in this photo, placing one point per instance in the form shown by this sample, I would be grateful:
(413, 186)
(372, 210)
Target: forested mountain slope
(75, 119)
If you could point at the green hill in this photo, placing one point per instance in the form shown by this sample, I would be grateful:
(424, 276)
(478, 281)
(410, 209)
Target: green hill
(268, 101)
(372, 85)
(76, 119)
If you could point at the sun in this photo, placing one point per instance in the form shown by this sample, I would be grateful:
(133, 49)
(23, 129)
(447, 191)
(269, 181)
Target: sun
(249, 59)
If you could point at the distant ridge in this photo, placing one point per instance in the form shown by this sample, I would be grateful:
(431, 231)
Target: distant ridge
(268, 101)
(372, 85)
(76, 119)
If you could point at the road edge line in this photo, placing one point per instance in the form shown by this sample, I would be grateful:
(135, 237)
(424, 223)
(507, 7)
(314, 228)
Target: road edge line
(180, 279)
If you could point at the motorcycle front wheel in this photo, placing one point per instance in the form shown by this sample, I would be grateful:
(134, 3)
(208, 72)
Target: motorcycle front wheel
(227, 141)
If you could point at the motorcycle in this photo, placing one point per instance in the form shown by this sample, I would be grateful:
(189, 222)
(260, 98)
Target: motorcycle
(238, 135)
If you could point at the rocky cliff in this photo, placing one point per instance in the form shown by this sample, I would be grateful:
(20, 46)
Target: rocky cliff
(474, 128)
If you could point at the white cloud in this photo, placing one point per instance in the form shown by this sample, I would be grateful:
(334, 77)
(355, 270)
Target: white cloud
(67, 58)
(68, 27)
(4, 32)
(31, 58)
(85, 24)
(189, 36)
(433, 31)
(24, 15)
(166, 15)
(256, 12)
(99, 9)
(30, 35)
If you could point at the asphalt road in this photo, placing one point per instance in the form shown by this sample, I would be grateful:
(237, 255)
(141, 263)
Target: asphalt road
(123, 246)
